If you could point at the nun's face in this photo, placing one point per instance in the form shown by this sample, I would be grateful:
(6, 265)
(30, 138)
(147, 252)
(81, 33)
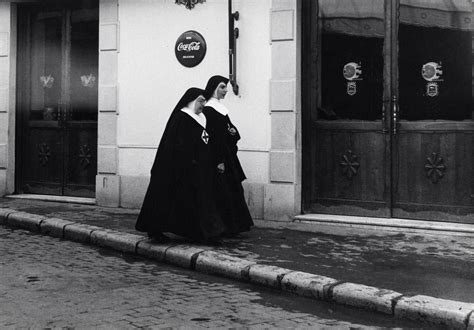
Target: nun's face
(221, 91)
(199, 104)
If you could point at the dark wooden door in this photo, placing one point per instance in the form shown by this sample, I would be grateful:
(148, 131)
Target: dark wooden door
(57, 98)
(388, 122)
(433, 143)
(346, 157)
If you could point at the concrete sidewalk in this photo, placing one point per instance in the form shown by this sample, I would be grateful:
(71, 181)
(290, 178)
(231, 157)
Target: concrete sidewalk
(409, 267)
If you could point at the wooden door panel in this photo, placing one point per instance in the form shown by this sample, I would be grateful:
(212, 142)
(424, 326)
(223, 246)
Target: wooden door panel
(43, 167)
(349, 163)
(422, 165)
(433, 154)
(58, 76)
(81, 123)
(40, 86)
(81, 164)
(433, 175)
(352, 163)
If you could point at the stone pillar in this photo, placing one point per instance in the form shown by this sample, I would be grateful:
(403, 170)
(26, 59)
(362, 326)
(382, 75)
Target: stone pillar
(282, 194)
(107, 180)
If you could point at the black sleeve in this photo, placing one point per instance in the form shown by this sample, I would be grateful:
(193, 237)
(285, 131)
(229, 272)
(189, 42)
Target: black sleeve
(235, 137)
(232, 139)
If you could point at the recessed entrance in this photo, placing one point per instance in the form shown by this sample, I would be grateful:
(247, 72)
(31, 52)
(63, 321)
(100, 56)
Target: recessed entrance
(57, 98)
(388, 113)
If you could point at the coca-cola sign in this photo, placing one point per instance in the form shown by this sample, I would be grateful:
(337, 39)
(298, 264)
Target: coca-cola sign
(190, 48)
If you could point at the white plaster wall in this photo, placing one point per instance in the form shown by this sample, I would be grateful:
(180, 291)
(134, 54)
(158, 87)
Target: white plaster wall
(151, 80)
(6, 101)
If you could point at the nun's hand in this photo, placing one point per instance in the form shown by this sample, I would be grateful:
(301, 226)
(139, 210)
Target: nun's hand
(220, 168)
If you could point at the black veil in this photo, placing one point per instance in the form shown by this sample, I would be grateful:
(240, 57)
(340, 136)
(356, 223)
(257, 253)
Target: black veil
(190, 95)
(212, 84)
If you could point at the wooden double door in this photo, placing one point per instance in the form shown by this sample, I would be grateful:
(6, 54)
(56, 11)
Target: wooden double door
(57, 98)
(388, 118)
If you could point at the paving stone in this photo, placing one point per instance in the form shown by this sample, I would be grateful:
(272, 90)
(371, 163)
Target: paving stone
(436, 311)
(306, 284)
(303, 283)
(213, 262)
(363, 296)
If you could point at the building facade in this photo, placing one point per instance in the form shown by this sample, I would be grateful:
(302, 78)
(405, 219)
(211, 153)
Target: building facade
(344, 107)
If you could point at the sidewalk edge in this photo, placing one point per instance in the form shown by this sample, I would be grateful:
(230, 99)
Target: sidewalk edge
(454, 314)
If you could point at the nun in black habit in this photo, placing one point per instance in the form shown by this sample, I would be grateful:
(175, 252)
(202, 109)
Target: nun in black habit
(179, 198)
(230, 200)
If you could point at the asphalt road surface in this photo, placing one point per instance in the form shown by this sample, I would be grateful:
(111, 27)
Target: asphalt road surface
(50, 283)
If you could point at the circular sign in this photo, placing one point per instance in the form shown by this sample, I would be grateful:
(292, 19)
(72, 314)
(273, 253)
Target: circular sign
(352, 71)
(431, 71)
(190, 48)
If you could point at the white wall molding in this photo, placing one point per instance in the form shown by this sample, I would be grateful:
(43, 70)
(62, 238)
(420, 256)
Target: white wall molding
(280, 199)
(107, 180)
(282, 24)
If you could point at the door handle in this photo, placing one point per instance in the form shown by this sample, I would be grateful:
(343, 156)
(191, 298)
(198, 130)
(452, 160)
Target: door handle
(395, 115)
(61, 114)
(386, 103)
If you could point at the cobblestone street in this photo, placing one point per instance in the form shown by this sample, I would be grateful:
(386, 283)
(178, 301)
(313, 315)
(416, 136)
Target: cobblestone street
(46, 282)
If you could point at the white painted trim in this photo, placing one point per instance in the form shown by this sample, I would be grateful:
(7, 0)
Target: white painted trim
(104, 48)
(136, 146)
(253, 150)
(141, 146)
(387, 223)
(52, 198)
(4, 44)
(272, 23)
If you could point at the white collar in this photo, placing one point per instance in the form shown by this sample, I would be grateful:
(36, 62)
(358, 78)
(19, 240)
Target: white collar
(200, 118)
(218, 106)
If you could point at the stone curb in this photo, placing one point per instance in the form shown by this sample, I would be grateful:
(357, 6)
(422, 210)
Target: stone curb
(116, 240)
(25, 220)
(453, 314)
(54, 227)
(470, 322)
(449, 313)
(213, 262)
(4, 213)
(308, 285)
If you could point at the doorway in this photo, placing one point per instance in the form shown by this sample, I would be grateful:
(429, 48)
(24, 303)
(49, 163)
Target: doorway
(388, 118)
(57, 98)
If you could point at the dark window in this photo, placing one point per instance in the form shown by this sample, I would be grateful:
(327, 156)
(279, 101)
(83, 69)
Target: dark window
(435, 73)
(351, 37)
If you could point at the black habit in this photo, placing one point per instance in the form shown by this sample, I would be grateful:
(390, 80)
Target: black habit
(229, 192)
(179, 198)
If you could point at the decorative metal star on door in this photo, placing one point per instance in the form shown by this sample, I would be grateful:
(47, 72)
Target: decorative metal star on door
(44, 152)
(85, 155)
(349, 164)
(434, 167)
